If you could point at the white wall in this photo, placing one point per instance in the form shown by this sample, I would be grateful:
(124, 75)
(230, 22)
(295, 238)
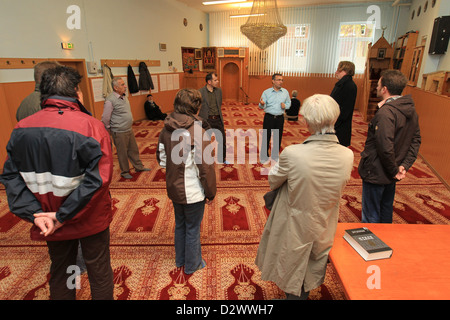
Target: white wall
(110, 29)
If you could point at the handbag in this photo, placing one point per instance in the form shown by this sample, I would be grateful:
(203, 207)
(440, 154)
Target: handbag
(269, 198)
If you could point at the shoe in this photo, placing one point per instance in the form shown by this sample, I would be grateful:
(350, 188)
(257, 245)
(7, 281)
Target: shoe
(226, 162)
(127, 176)
(143, 169)
(201, 266)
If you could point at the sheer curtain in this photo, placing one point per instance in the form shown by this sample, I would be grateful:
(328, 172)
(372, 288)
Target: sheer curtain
(313, 43)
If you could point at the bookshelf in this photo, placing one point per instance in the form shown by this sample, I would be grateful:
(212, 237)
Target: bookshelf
(404, 52)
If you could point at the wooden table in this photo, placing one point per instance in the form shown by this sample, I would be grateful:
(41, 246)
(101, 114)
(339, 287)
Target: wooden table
(419, 268)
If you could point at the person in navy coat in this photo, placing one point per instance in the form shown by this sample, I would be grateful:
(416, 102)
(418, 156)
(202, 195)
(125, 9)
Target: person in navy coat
(344, 92)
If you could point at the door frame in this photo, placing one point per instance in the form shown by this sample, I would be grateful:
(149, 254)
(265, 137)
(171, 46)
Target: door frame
(85, 87)
(242, 64)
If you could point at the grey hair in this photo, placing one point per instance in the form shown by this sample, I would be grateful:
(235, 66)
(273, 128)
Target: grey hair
(320, 112)
(114, 81)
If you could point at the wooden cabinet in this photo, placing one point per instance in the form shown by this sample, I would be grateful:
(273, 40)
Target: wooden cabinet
(413, 73)
(404, 52)
(194, 80)
(437, 82)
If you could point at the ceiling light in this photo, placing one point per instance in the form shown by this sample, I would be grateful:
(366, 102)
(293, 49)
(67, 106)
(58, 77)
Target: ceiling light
(207, 3)
(243, 5)
(264, 31)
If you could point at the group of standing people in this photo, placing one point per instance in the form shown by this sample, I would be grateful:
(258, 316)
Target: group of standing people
(310, 178)
(60, 182)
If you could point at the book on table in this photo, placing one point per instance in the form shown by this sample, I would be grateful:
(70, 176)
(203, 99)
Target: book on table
(367, 244)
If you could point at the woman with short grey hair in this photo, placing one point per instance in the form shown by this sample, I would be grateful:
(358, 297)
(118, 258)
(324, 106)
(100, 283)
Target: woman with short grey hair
(300, 229)
(320, 113)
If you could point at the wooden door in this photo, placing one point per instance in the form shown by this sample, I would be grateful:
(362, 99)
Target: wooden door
(80, 66)
(231, 82)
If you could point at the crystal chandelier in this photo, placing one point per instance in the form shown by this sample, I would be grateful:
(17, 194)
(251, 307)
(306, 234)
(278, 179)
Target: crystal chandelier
(264, 25)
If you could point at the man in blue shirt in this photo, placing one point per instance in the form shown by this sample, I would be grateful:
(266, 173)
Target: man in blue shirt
(274, 101)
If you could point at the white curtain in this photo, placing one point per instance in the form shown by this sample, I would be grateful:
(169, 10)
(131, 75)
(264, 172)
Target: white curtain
(312, 43)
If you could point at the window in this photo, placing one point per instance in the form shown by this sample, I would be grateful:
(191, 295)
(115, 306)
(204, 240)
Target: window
(354, 39)
(292, 49)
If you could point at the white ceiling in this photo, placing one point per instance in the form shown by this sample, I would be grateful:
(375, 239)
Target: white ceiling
(197, 4)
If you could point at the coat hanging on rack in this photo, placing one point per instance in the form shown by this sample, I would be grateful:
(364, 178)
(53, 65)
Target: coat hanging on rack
(107, 79)
(145, 79)
(132, 82)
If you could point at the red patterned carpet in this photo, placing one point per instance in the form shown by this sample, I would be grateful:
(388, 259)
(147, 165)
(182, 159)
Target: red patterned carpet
(143, 256)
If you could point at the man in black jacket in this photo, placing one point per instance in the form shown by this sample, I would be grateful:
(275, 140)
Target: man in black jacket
(152, 110)
(211, 111)
(344, 92)
(392, 145)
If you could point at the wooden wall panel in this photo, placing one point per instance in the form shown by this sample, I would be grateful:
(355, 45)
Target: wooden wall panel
(14, 93)
(6, 124)
(434, 115)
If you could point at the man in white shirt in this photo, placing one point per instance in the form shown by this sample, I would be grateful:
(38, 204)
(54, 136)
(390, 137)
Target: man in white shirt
(274, 101)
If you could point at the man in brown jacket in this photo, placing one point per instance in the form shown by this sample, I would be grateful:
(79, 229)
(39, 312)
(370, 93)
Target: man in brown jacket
(392, 145)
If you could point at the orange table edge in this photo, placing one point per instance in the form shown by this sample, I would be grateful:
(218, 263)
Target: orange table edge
(419, 268)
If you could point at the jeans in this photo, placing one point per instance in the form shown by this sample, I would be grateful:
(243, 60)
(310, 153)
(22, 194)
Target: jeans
(377, 202)
(188, 251)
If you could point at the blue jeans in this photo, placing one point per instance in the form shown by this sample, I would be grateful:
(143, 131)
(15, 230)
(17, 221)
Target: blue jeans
(188, 251)
(377, 202)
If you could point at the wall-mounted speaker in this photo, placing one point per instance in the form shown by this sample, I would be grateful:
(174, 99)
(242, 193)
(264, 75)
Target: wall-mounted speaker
(440, 36)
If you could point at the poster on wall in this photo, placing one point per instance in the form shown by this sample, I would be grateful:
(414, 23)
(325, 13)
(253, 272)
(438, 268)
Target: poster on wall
(209, 58)
(155, 83)
(97, 89)
(189, 61)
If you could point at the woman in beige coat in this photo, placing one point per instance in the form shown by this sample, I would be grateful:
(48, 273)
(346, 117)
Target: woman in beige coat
(299, 232)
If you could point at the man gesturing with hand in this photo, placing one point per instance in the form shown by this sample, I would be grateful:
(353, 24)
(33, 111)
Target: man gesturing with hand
(274, 101)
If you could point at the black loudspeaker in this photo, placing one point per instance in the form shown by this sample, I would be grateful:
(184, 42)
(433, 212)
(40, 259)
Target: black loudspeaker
(440, 36)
